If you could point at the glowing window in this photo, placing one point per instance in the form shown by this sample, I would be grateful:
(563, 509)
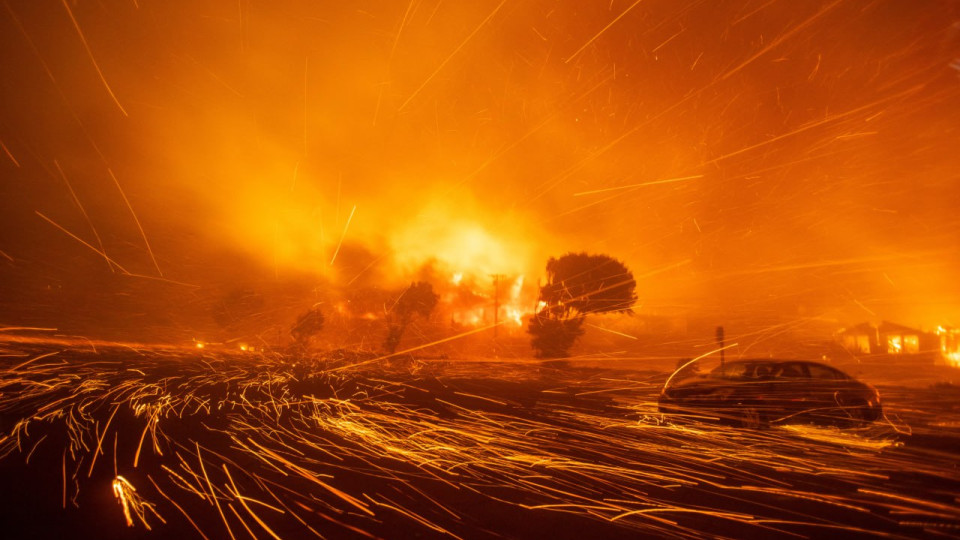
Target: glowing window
(911, 344)
(894, 344)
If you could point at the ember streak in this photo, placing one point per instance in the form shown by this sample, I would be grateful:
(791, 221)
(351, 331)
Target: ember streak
(181, 181)
(211, 444)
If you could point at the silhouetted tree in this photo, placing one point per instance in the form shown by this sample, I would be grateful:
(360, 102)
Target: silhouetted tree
(578, 284)
(418, 299)
(553, 336)
(308, 325)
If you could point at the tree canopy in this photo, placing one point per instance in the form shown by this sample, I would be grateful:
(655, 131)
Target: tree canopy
(588, 284)
(418, 299)
(578, 284)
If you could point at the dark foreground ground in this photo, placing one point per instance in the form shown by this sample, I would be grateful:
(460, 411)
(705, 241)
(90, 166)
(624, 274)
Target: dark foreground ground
(206, 444)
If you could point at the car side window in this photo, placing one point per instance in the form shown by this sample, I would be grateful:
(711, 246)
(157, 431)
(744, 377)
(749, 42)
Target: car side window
(823, 372)
(730, 371)
(792, 371)
(765, 372)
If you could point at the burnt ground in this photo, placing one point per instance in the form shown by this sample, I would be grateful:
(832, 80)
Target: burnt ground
(216, 444)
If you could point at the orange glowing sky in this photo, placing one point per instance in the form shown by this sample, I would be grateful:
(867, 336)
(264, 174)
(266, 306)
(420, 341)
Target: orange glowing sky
(741, 157)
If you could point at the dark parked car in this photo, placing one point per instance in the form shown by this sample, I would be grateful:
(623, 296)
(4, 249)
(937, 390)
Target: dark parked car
(761, 392)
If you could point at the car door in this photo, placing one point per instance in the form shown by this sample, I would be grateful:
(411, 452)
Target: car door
(831, 390)
(789, 392)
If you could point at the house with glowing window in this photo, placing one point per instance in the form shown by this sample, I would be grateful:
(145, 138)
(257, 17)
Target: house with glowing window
(860, 339)
(891, 341)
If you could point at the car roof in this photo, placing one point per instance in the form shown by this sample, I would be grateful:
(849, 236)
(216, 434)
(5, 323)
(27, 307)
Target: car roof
(772, 361)
(753, 362)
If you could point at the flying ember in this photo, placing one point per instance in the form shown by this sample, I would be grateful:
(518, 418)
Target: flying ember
(491, 269)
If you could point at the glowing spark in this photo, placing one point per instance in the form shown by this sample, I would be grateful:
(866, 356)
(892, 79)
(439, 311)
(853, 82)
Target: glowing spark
(704, 355)
(31, 328)
(137, 220)
(421, 347)
(64, 478)
(827, 120)
(82, 211)
(180, 508)
(345, 227)
(403, 24)
(243, 502)
(99, 449)
(32, 360)
(92, 60)
(780, 39)
(668, 40)
(9, 154)
(652, 183)
(865, 308)
(600, 33)
(132, 503)
(213, 493)
(101, 253)
(365, 268)
(454, 53)
(612, 331)
(306, 65)
(120, 489)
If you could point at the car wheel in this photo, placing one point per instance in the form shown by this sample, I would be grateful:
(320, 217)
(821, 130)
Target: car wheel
(856, 413)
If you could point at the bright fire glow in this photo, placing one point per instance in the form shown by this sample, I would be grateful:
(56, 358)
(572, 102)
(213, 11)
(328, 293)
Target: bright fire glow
(954, 359)
(468, 248)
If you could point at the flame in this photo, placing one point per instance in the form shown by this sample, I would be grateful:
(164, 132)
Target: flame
(463, 246)
(953, 359)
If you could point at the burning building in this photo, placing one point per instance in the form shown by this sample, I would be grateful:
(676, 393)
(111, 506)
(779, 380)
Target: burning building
(892, 341)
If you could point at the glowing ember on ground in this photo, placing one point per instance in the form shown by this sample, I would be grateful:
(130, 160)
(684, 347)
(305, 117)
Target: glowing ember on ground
(287, 447)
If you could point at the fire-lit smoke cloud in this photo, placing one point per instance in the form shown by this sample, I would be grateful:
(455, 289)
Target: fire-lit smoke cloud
(759, 158)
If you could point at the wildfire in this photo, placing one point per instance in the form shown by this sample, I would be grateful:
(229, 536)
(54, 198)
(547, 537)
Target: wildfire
(485, 263)
(474, 301)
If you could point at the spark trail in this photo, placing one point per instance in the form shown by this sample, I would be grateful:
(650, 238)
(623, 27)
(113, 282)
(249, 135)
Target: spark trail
(304, 446)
